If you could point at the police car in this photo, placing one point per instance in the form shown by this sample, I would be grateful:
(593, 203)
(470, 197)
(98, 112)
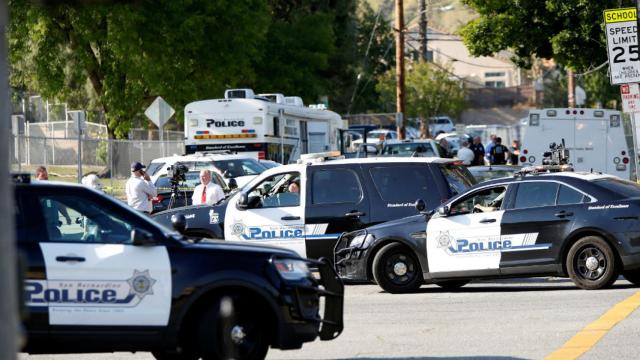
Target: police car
(305, 207)
(581, 225)
(110, 279)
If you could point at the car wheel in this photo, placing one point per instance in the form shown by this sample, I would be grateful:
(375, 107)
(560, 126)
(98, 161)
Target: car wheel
(591, 263)
(396, 269)
(633, 276)
(243, 335)
(452, 284)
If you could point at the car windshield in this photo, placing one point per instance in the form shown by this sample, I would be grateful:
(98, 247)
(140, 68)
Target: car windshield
(408, 149)
(621, 187)
(240, 167)
(192, 180)
(376, 134)
(154, 167)
(489, 175)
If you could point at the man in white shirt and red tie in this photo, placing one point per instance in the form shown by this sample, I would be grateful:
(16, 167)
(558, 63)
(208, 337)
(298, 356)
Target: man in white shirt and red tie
(207, 192)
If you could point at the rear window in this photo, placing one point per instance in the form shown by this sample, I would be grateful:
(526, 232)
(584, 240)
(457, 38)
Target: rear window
(335, 186)
(240, 167)
(402, 184)
(154, 167)
(536, 194)
(458, 178)
(621, 187)
(408, 149)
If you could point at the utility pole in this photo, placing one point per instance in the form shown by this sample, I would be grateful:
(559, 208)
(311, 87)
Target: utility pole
(423, 30)
(571, 88)
(8, 282)
(399, 29)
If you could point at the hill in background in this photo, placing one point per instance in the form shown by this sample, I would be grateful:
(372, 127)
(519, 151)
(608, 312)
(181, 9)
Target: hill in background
(443, 15)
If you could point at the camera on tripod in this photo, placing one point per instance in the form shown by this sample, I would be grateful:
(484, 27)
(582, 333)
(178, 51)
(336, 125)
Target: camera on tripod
(177, 173)
(559, 155)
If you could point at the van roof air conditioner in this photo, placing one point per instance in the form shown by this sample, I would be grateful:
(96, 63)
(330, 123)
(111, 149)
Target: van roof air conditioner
(274, 98)
(294, 101)
(239, 94)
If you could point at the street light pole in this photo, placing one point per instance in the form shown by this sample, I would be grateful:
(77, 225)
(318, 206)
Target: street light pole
(399, 29)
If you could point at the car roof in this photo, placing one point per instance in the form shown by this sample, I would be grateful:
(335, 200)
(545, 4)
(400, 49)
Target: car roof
(409, 141)
(195, 157)
(587, 176)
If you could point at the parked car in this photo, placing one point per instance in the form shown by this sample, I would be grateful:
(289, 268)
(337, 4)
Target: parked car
(329, 198)
(114, 280)
(441, 124)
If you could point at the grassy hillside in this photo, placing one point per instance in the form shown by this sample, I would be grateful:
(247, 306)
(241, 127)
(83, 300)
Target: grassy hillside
(443, 15)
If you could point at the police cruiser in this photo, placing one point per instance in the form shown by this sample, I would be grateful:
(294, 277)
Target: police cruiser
(113, 280)
(580, 225)
(306, 206)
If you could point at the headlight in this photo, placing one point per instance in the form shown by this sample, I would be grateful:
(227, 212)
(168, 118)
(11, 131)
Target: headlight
(360, 240)
(291, 269)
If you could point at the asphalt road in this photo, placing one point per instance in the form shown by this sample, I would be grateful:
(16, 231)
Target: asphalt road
(513, 319)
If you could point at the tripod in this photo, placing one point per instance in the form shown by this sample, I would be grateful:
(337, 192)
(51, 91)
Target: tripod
(174, 194)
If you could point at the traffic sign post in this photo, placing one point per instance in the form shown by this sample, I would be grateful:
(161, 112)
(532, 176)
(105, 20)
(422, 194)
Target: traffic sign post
(622, 45)
(159, 112)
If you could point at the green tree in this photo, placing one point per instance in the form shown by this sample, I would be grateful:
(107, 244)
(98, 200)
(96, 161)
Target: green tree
(429, 91)
(375, 56)
(130, 53)
(569, 31)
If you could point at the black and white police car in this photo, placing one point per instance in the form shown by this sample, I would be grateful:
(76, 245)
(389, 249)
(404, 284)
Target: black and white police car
(305, 207)
(582, 225)
(111, 279)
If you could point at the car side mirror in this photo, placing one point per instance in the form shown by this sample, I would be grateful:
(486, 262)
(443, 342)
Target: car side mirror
(443, 210)
(243, 202)
(179, 222)
(141, 237)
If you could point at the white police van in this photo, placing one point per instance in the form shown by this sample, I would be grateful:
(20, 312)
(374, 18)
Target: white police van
(598, 139)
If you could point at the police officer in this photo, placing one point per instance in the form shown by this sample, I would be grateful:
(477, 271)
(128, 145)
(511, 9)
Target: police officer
(478, 151)
(139, 189)
(498, 153)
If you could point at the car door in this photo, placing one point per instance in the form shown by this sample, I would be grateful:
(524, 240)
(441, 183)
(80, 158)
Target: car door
(465, 240)
(95, 276)
(540, 216)
(273, 213)
(336, 203)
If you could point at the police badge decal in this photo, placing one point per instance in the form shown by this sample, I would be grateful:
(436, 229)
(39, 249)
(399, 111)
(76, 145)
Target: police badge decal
(141, 283)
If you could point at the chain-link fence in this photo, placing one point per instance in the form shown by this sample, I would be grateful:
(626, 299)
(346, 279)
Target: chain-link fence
(110, 159)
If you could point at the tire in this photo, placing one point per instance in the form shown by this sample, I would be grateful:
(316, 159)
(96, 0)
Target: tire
(452, 285)
(396, 269)
(633, 276)
(591, 263)
(215, 334)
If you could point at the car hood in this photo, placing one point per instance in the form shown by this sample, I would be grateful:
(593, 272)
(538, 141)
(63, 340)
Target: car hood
(241, 246)
(402, 222)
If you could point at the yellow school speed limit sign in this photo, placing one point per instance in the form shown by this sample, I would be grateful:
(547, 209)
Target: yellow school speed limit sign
(622, 45)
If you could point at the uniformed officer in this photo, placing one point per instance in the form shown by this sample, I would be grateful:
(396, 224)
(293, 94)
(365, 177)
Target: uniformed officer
(140, 189)
(498, 153)
(206, 192)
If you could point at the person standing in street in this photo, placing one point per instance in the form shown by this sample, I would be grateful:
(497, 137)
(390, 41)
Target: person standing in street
(478, 151)
(489, 147)
(206, 192)
(139, 189)
(465, 154)
(515, 152)
(499, 153)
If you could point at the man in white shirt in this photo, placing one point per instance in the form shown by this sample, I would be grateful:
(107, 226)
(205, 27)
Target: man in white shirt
(139, 189)
(465, 154)
(207, 192)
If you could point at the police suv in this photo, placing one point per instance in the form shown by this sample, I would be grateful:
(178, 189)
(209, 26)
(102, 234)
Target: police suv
(581, 225)
(113, 280)
(306, 206)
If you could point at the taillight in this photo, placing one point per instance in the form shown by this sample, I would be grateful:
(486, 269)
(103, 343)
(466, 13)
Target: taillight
(625, 160)
(156, 199)
(261, 155)
(523, 159)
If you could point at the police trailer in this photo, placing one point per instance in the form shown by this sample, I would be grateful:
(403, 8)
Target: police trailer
(268, 126)
(598, 139)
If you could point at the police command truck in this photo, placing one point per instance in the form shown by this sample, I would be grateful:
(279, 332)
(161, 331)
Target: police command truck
(581, 225)
(305, 207)
(110, 279)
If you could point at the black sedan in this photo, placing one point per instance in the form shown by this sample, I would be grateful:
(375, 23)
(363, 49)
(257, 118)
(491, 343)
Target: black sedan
(579, 225)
